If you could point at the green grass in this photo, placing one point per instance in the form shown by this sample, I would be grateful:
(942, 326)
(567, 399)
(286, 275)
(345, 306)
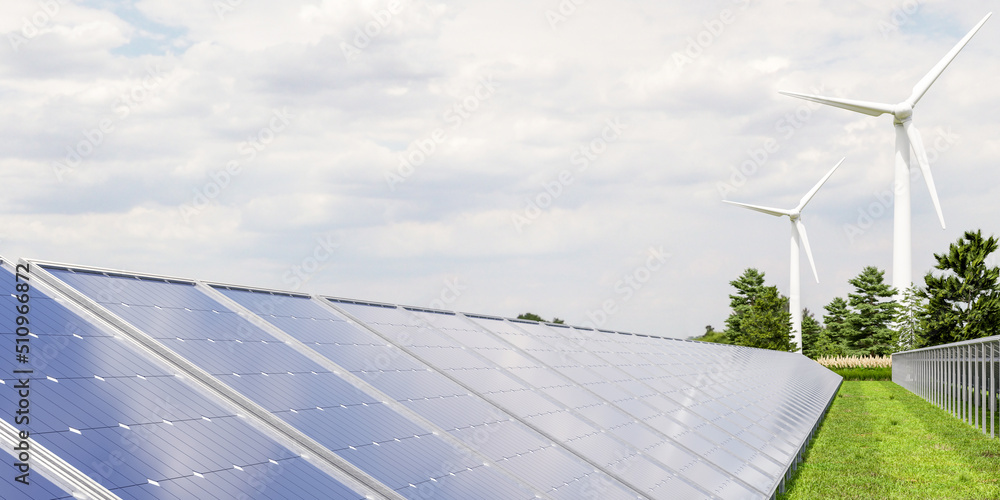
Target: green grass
(864, 373)
(879, 441)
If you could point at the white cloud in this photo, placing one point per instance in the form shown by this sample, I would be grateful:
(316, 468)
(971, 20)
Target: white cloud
(555, 89)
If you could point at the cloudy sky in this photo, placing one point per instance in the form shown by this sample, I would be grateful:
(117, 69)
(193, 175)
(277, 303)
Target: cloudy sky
(564, 157)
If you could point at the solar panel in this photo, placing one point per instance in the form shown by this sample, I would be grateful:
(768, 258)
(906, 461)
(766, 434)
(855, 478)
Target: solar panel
(236, 391)
(699, 424)
(134, 427)
(477, 423)
(38, 486)
(614, 400)
(361, 429)
(609, 449)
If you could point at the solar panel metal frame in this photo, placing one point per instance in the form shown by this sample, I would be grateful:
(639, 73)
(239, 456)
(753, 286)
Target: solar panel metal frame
(794, 460)
(531, 425)
(207, 291)
(358, 382)
(54, 469)
(324, 304)
(541, 364)
(259, 417)
(791, 464)
(290, 437)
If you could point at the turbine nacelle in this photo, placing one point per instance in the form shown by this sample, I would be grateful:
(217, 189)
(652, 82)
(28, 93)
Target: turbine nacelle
(903, 112)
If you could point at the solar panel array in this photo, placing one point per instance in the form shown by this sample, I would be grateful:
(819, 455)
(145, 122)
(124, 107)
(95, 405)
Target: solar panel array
(154, 387)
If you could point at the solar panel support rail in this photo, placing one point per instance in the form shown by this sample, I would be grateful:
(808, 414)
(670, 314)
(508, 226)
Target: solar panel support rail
(264, 420)
(595, 465)
(55, 469)
(497, 337)
(357, 382)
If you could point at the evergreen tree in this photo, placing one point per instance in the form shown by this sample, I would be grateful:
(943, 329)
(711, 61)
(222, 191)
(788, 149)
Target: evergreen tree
(530, 317)
(837, 329)
(908, 329)
(711, 335)
(964, 302)
(748, 287)
(812, 334)
(760, 315)
(869, 322)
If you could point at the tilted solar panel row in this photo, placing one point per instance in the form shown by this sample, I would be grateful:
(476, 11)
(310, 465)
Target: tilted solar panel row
(132, 424)
(400, 402)
(357, 427)
(473, 420)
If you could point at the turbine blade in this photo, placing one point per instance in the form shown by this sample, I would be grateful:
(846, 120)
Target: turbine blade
(925, 83)
(801, 228)
(812, 192)
(777, 212)
(917, 143)
(868, 108)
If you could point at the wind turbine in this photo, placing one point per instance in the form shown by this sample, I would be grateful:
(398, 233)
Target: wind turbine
(907, 137)
(798, 234)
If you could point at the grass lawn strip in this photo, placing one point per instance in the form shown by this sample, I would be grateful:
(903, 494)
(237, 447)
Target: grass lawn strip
(881, 441)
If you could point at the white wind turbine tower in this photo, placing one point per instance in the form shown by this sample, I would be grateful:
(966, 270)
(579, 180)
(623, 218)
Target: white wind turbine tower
(907, 137)
(798, 234)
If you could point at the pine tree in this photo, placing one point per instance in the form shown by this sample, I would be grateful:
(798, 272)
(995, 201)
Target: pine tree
(812, 335)
(964, 301)
(530, 316)
(711, 335)
(837, 330)
(908, 327)
(760, 315)
(871, 316)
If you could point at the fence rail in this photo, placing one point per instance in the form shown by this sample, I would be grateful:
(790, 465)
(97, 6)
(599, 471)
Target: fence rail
(961, 378)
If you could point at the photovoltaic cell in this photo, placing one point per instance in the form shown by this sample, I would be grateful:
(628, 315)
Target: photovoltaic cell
(701, 437)
(425, 335)
(429, 403)
(38, 486)
(668, 450)
(763, 398)
(123, 420)
(480, 425)
(364, 431)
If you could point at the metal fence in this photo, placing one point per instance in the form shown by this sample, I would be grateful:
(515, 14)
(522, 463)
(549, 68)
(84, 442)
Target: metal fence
(960, 378)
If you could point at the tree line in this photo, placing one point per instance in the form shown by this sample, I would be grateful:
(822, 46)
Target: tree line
(959, 300)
